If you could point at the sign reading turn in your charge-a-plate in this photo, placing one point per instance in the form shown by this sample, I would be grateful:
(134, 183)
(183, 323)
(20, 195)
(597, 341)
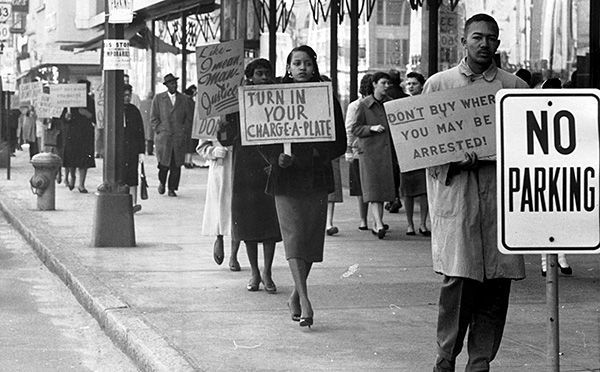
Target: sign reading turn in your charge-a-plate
(548, 153)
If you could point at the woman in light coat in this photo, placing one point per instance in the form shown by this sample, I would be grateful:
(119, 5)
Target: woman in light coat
(217, 209)
(376, 151)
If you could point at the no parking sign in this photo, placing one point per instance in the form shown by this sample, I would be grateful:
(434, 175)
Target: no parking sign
(548, 147)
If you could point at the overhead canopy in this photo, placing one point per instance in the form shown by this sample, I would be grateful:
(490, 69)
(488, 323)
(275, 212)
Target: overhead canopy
(138, 34)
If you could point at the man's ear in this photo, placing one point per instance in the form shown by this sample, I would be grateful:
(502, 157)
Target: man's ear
(463, 41)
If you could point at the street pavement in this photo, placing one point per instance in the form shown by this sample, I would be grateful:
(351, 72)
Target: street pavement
(169, 307)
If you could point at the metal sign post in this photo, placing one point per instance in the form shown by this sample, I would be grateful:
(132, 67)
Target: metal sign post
(548, 153)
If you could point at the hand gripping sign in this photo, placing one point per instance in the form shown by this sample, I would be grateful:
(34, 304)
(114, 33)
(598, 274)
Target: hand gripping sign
(286, 113)
(438, 128)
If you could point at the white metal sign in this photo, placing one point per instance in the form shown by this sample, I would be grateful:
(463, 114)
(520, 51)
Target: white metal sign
(5, 12)
(548, 145)
(120, 11)
(4, 32)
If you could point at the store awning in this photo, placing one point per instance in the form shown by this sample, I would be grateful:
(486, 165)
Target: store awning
(138, 34)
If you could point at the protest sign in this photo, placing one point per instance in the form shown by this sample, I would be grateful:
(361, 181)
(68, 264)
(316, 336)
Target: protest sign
(438, 128)
(286, 113)
(29, 92)
(68, 95)
(220, 70)
(99, 104)
(205, 128)
(45, 109)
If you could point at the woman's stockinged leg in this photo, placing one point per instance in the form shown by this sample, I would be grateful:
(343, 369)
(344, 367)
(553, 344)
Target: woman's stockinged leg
(269, 255)
(300, 270)
(252, 251)
(377, 212)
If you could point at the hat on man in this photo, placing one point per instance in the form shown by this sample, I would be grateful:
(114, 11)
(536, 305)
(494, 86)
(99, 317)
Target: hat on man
(169, 78)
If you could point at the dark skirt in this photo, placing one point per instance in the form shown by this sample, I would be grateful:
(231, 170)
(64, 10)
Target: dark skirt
(302, 219)
(413, 183)
(354, 173)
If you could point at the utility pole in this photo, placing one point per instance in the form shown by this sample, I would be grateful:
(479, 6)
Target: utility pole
(113, 220)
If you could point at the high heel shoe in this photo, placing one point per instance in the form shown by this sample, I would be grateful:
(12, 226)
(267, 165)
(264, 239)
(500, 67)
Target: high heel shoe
(270, 288)
(295, 317)
(253, 285)
(306, 322)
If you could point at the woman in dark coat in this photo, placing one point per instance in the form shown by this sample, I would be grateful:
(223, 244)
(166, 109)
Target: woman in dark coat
(376, 151)
(134, 144)
(253, 213)
(79, 142)
(301, 183)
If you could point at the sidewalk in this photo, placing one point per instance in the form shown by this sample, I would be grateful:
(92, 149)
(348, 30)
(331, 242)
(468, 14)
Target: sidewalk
(168, 306)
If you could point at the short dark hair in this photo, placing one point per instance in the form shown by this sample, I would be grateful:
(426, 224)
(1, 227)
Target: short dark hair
(260, 62)
(481, 17)
(415, 75)
(395, 77)
(127, 88)
(524, 75)
(380, 75)
(366, 85)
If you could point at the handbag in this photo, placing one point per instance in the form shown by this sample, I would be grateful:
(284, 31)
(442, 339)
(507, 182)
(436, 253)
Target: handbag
(143, 183)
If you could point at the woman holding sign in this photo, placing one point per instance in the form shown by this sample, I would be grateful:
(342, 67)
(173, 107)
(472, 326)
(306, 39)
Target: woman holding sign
(376, 151)
(300, 183)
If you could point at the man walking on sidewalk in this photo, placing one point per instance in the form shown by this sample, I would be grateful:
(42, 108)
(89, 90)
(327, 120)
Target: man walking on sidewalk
(477, 277)
(171, 118)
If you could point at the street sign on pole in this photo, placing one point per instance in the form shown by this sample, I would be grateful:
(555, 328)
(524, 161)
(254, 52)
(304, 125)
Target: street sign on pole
(548, 147)
(5, 12)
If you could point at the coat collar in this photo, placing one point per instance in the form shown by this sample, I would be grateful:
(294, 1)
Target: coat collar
(488, 75)
(370, 100)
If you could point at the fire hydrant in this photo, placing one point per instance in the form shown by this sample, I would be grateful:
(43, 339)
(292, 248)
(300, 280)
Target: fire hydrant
(46, 167)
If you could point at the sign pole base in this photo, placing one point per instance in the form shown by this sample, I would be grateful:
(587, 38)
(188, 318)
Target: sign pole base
(552, 308)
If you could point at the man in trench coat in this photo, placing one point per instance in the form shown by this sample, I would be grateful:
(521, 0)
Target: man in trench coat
(462, 197)
(171, 118)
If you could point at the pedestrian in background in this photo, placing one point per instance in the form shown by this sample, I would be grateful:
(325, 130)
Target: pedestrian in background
(413, 184)
(79, 144)
(191, 143)
(253, 211)
(145, 109)
(27, 130)
(352, 150)
(395, 91)
(376, 151)
(134, 145)
(300, 183)
(171, 118)
(462, 195)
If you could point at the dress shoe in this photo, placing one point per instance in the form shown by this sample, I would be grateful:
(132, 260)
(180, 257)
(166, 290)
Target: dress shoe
(253, 284)
(188, 166)
(411, 233)
(395, 206)
(306, 322)
(424, 232)
(137, 208)
(332, 230)
(82, 190)
(172, 193)
(566, 270)
(380, 233)
(363, 228)
(234, 266)
(295, 316)
(161, 188)
(218, 249)
(270, 287)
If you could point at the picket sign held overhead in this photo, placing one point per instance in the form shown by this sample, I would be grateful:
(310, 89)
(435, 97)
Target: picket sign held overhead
(548, 170)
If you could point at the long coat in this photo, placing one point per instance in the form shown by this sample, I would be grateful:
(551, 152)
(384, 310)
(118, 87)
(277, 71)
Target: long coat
(134, 144)
(376, 152)
(462, 204)
(171, 124)
(219, 185)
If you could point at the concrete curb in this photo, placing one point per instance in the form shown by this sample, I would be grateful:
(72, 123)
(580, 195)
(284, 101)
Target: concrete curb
(126, 328)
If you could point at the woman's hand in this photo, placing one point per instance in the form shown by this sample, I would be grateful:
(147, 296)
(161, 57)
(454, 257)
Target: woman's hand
(377, 128)
(220, 152)
(469, 163)
(285, 160)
